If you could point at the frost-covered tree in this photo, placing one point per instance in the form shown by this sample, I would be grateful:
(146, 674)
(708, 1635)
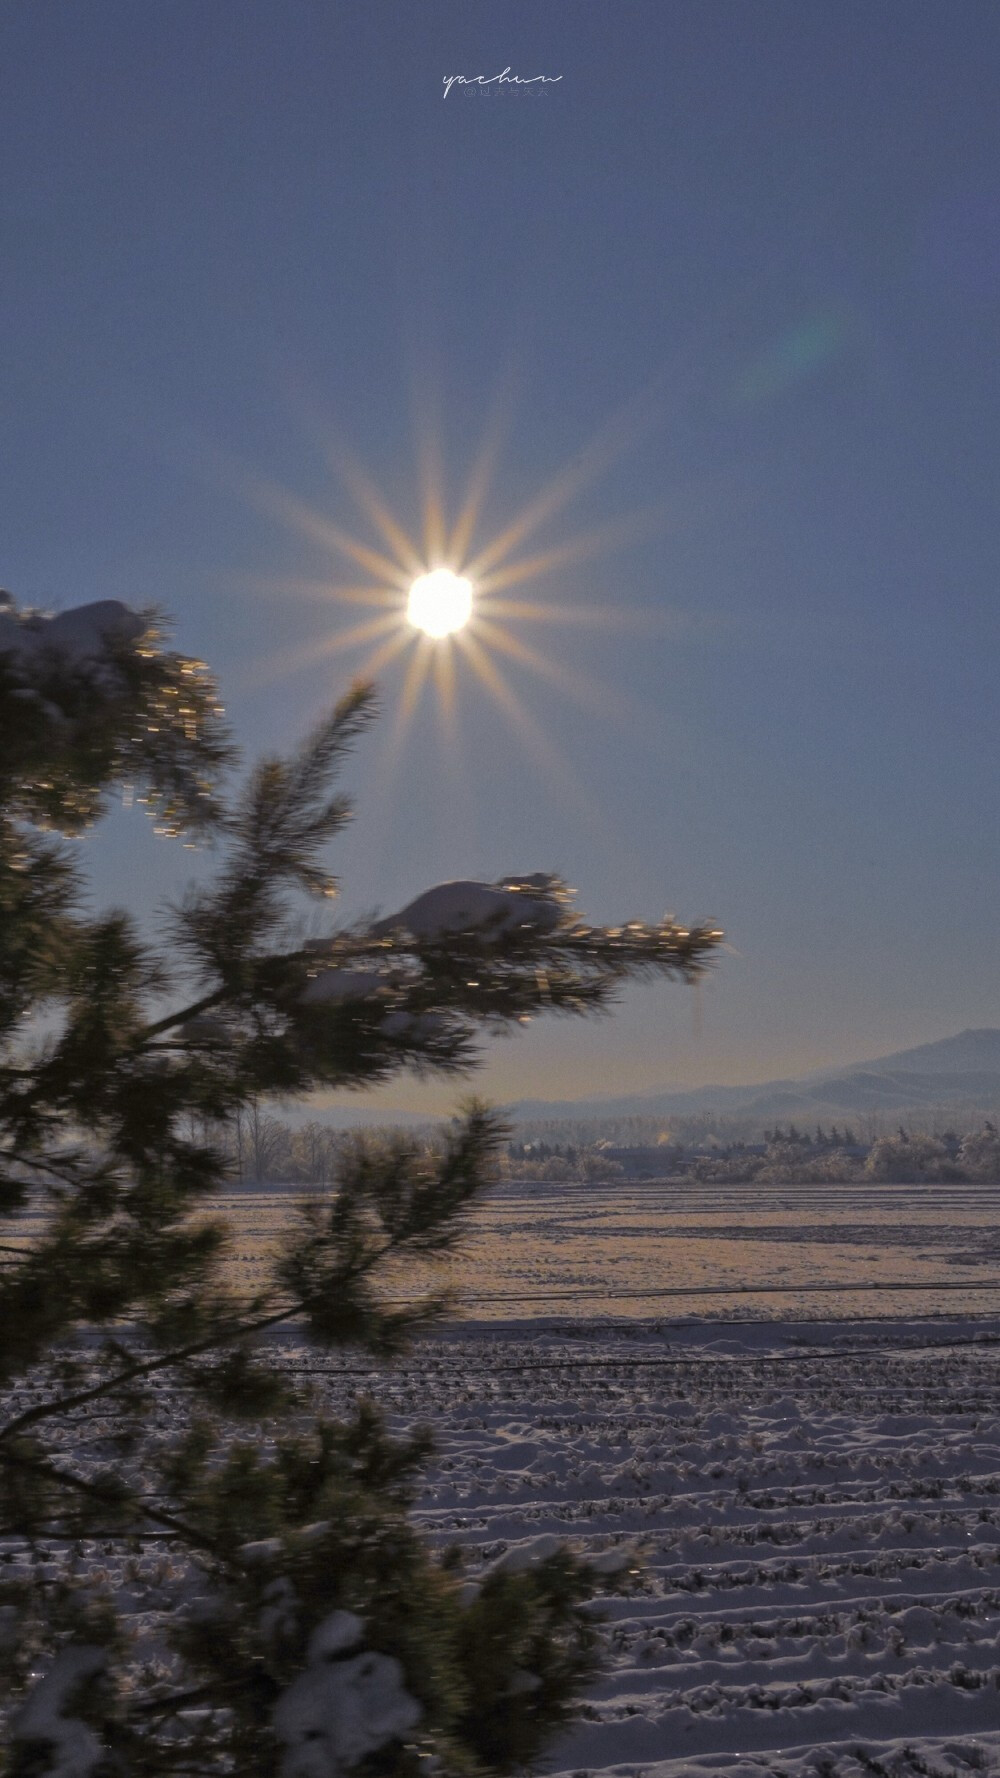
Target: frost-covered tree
(911, 1159)
(292, 1622)
(979, 1153)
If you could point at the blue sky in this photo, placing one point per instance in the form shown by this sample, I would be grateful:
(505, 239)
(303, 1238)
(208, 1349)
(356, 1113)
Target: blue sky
(755, 245)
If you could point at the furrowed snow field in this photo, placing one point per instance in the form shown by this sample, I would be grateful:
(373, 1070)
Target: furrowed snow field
(785, 1400)
(815, 1508)
(814, 1502)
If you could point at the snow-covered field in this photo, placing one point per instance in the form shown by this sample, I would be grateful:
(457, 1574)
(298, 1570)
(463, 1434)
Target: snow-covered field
(815, 1501)
(649, 1248)
(787, 1401)
(816, 1507)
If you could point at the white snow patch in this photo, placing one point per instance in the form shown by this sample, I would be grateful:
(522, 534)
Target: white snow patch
(78, 635)
(332, 986)
(522, 1682)
(496, 909)
(612, 1561)
(339, 1710)
(262, 1549)
(527, 1555)
(74, 1750)
(279, 1615)
(338, 1633)
(335, 987)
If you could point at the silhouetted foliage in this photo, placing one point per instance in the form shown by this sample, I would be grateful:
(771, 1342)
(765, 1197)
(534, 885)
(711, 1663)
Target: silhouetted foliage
(132, 1074)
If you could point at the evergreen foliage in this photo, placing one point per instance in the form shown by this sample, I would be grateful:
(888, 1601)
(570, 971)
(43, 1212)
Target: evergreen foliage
(293, 1578)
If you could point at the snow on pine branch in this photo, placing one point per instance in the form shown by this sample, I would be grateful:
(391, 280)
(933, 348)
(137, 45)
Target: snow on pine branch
(536, 914)
(71, 1749)
(347, 1703)
(333, 986)
(379, 991)
(466, 955)
(90, 699)
(75, 638)
(534, 904)
(531, 915)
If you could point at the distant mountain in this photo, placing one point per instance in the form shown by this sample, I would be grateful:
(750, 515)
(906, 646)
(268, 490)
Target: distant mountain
(971, 1052)
(957, 1075)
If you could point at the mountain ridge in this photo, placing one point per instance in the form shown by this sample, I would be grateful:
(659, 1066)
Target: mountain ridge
(962, 1072)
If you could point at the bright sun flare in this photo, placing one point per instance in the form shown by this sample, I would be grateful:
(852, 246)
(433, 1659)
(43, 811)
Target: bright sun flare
(440, 602)
(461, 621)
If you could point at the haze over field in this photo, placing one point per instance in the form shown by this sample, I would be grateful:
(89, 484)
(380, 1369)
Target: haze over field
(960, 1075)
(955, 1079)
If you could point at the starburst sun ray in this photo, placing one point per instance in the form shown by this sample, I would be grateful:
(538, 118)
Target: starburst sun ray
(299, 516)
(447, 607)
(304, 654)
(589, 693)
(542, 750)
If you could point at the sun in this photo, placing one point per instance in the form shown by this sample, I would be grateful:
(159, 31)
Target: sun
(439, 603)
(450, 606)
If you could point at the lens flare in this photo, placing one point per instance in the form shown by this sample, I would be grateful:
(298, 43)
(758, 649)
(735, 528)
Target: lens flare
(444, 603)
(439, 603)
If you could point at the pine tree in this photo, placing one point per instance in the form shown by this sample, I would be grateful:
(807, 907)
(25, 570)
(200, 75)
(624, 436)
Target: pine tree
(298, 1598)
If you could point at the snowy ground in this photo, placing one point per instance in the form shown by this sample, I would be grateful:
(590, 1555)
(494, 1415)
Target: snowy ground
(647, 1248)
(789, 1401)
(817, 1509)
(816, 1501)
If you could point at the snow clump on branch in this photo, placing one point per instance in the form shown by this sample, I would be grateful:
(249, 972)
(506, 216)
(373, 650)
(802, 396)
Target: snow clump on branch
(490, 909)
(71, 1750)
(348, 1703)
(80, 635)
(335, 985)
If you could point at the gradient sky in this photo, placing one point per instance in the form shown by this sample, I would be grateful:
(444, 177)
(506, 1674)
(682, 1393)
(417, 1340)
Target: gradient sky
(753, 247)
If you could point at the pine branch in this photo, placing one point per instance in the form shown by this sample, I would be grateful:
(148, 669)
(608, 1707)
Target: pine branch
(88, 699)
(129, 1081)
(182, 1017)
(143, 1368)
(284, 816)
(173, 1702)
(419, 1215)
(61, 1478)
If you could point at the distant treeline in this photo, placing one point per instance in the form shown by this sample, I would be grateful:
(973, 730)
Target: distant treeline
(263, 1149)
(694, 1129)
(826, 1156)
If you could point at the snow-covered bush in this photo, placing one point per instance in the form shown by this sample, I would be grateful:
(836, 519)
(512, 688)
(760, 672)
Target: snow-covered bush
(907, 1159)
(979, 1154)
(300, 1626)
(785, 1163)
